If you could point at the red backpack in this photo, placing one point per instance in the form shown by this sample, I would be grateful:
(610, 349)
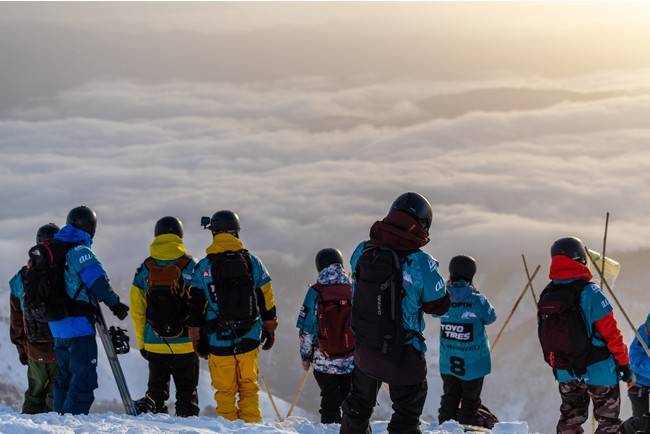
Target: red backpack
(335, 338)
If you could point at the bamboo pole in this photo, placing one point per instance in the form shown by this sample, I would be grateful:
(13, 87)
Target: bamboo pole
(266, 386)
(618, 303)
(514, 308)
(302, 384)
(532, 291)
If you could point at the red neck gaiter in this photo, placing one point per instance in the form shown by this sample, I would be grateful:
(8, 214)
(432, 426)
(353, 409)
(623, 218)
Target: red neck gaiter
(399, 231)
(564, 268)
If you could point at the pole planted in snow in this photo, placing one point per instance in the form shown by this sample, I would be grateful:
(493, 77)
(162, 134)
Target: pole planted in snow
(514, 308)
(268, 391)
(295, 399)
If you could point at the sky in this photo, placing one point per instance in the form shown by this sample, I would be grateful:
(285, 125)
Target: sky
(520, 122)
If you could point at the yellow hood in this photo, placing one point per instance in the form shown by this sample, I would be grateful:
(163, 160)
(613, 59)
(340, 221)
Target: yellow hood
(167, 247)
(224, 242)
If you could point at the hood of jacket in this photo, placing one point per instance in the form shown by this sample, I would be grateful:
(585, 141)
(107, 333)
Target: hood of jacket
(332, 275)
(167, 247)
(564, 268)
(459, 290)
(224, 242)
(70, 234)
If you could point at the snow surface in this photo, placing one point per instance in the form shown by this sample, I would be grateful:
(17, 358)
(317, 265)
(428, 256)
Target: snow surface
(16, 423)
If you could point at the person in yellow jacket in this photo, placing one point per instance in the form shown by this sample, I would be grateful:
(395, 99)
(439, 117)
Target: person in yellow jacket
(160, 312)
(232, 311)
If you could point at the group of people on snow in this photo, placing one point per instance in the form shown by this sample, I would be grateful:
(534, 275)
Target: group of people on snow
(357, 330)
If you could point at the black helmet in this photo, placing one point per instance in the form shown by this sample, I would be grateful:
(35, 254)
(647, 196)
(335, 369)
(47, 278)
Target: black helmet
(416, 206)
(46, 232)
(169, 225)
(83, 218)
(571, 247)
(462, 267)
(327, 257)
(224, 221)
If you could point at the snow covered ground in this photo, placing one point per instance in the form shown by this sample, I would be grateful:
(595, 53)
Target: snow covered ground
(15, 423)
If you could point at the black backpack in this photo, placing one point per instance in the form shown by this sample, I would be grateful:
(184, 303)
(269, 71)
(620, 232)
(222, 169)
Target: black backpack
(167, 298)
(335, 337)
(45, 298)
(563, 334)
(233, 292)
(377, 302)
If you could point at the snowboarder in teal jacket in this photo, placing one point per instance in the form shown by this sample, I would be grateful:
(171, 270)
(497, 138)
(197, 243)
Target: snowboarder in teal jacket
(464, 345)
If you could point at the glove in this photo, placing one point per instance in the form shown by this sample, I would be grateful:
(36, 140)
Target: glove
(626, 372)
(144, 353)
(23, 359)
(199, 342)
(306, 364)
(194, 333)
(268, 333)
(120, 310)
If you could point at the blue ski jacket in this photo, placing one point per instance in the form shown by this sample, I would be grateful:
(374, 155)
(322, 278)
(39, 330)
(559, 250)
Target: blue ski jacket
(86, 279)
(308, 325)
(165, 249)
(199, 294)
(464, 345)
(594, 306)
(422, 283)
(639, 360)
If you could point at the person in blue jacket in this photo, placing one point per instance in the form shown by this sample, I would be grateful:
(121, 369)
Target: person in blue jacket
(640, 362)
(74, 336)
(464, 346)
(608, 362)
(333, 374)
(232, 345)
(405, 230)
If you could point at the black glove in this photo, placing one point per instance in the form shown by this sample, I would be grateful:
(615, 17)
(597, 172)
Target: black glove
(120, 310)
(626, 372)
(268, 333)
(144, 353)
(23, 359)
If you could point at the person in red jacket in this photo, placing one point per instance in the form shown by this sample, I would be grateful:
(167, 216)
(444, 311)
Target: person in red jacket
(596, 377)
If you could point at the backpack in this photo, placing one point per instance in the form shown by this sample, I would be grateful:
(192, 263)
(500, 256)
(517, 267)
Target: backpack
(563, 334)
(377, 302)
(233, 292)
(335, 338)
(46, 298)
(167, 298)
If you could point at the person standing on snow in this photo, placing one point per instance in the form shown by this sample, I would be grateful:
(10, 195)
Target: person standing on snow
(394, 284)
(33, 340)
(74, 336)
(333, 372)
(640, 363)
(584, 372)
(464, 347)
(232, 305)
(160, 311)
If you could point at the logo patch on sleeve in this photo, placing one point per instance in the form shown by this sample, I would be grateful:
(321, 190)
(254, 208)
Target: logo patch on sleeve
(304, 310)
(207, 273)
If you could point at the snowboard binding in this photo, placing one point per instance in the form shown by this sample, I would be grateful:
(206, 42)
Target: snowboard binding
(120, 339)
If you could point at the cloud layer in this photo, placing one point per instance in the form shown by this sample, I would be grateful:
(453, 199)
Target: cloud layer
(311, 160)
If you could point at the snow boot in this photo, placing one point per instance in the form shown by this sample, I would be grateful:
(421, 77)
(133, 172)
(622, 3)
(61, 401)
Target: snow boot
(145, 405)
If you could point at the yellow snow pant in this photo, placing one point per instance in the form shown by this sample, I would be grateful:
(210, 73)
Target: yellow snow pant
(232, 375)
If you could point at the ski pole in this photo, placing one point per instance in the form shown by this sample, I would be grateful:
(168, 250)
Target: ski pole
(302, 384)
(512, 312)
(532, 291)
(266, 386)
(627, 318)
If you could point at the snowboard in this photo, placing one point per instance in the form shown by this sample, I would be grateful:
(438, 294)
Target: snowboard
(102, 331)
